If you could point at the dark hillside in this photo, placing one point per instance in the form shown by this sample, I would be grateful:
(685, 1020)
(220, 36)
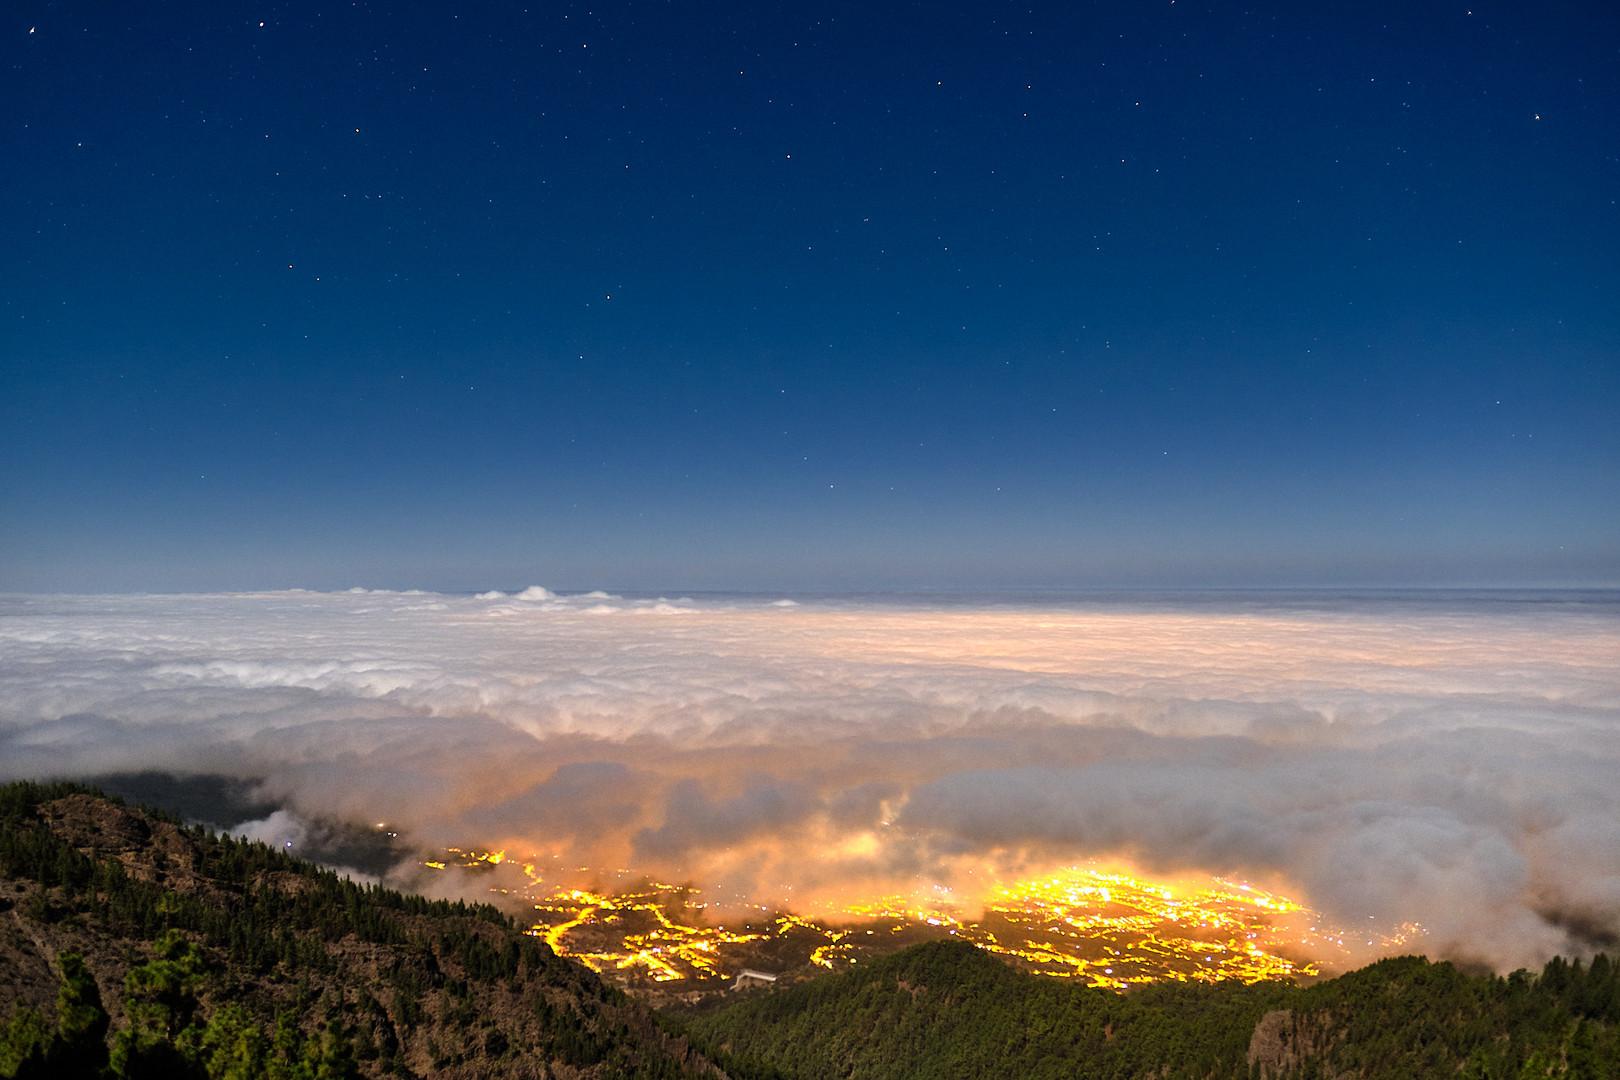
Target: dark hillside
(949, 1010)
(946, 1011)
(133, 945)
(1408, 1017)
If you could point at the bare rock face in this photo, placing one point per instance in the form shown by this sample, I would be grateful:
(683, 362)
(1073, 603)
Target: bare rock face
(1268, 1046)
(98, 826)
(26, 953)
(149, 849)
(1283, 1042)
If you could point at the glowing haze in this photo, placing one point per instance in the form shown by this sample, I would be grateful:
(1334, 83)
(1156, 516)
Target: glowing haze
(1443, 760)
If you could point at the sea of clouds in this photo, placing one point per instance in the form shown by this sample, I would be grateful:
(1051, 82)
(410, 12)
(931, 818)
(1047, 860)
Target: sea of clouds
(1450, 760)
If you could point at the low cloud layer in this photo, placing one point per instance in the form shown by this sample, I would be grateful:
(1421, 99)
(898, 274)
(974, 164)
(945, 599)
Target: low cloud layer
(1448, 763)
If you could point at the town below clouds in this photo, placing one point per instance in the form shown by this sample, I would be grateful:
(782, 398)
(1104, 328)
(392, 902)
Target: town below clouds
(1440, 759)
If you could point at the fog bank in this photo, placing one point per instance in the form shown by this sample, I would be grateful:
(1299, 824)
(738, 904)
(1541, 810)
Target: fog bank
(1444, 760)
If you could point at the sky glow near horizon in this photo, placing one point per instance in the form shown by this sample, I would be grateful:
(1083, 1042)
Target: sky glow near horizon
(831, 296)
(1444, 760)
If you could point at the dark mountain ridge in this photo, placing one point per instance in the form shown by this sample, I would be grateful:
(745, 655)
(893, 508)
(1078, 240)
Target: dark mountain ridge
(133, 945)
(948, 1011)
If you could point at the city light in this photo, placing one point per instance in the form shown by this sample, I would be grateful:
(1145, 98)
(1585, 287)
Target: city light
(1101, 926)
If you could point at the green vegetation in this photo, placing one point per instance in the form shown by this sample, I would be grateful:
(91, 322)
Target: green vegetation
(946, 1010)
(1407, 1017)
(163, 951)
(272, 926)
(234, 960)
(164, 1039)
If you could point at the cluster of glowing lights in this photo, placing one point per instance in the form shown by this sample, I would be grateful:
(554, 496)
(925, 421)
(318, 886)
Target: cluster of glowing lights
(469, 859)
(655, 931)
(1114, 930)
(1101, 927)
(1110, 929)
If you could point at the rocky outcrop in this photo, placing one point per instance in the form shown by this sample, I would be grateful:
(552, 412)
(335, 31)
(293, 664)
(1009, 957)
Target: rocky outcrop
(1284, 1041)
(404, 985)
(1272, 1045)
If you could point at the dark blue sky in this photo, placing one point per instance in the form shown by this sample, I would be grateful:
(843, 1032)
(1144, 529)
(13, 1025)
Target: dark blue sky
(664, 296)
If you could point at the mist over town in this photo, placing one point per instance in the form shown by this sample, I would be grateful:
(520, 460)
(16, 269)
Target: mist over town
(1438, 760)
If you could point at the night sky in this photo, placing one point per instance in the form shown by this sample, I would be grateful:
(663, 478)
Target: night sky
(830, 296)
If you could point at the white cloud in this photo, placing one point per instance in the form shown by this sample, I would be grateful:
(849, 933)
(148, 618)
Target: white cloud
(1450, 763)
(282, 829)
(536, 592)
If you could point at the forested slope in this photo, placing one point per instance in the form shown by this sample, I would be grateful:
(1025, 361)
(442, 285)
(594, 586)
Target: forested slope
(1407, 1017)
(133, 946)
(947, 1011)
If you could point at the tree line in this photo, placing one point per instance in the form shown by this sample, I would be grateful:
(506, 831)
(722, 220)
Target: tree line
(949, 1011)
(250, 976)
